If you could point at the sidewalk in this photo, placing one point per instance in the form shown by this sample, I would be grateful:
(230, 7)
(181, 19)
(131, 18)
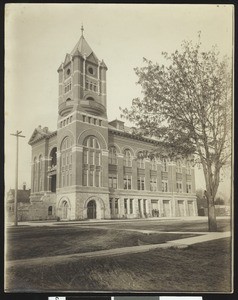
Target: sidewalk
(103, 221)
(181, 243)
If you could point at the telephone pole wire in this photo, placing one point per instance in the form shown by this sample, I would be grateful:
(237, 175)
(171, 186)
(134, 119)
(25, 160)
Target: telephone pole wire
(17, 135)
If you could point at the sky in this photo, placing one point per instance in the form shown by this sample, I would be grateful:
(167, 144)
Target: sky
(38, 36)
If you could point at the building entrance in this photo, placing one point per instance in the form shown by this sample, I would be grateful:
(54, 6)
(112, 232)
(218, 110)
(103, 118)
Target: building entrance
(91, 209)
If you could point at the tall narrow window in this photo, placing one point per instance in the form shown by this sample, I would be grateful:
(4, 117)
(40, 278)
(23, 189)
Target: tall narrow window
(116, 206)
(112, 181)
(188, 168)
(40, 176)
(178, 166)
(141, 183)
(127, 158)
(50, 211)
(153, 183)
(179, 187)
(188, 188)
(131, 206)
(112, 159)
(127, 182)
(66, 161)
(125, 207)
(92, 162)
(164, 164)
(164, 185)
(153, 164)
(140, 161)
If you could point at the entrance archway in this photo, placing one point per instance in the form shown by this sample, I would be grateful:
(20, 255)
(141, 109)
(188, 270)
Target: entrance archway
(91, 210)
(65, 210)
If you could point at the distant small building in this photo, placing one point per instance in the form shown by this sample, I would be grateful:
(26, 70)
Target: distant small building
(23, 203)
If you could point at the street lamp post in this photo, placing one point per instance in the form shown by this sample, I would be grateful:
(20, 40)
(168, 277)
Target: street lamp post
(17, 135)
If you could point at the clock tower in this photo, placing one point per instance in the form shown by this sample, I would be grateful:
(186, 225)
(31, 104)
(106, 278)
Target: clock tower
(82, 135)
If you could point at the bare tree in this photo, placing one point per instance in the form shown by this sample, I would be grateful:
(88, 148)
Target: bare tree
(187, 106)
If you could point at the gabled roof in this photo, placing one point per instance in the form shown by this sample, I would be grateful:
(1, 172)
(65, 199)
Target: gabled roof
(83, 47)
(67, 59)
(93, 58)
(39, 133)
(22, 195)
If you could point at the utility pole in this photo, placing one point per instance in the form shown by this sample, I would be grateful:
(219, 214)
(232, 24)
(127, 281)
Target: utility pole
(17, 135)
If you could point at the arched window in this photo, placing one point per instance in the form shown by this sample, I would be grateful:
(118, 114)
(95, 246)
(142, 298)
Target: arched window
(66, 162)
(164, 164)
(112, 159)
(91, 162)
(140, 160)
(127, 158)
(40, 175)
(50, 211)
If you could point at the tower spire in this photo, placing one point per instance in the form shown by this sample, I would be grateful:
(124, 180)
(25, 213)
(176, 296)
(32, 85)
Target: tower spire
(82, 29)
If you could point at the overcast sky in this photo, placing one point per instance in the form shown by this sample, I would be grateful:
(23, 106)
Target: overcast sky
(38, 36)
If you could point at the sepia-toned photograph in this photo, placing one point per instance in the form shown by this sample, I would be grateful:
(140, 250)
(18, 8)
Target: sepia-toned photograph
(118, 148)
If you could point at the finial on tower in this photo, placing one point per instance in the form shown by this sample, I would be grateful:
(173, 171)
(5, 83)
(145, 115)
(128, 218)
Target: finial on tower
(82, 29)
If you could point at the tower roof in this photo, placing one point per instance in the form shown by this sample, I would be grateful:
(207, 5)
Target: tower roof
(83, 47)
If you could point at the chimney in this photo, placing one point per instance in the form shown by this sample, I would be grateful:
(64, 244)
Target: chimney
(24, 186)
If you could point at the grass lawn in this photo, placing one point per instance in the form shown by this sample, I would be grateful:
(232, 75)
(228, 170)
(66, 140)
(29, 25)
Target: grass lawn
(203, 267)
(176, 225)
(29, 242)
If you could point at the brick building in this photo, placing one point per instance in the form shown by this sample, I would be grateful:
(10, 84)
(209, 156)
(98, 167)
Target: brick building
(91, 168)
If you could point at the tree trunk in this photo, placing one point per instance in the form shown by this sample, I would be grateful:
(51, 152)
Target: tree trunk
(212, 222)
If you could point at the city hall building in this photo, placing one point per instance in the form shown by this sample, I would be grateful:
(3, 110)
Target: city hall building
(90, 168)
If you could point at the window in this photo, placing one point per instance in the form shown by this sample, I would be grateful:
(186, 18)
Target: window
(116, 206)
(141, 183)
(188, 168)
(127, 158)
(125, 207)
(144, 206)
(153, 164)
(91, 173)
(112, 181)
(179, 187)
(178, 166)
(164, 186)
(112, 159)
(110, 204)
(100, 122)
(188, 188)
(50, 211)
(153, 184)
(67, 87)
(92, 162)
(90, 70)
(127, 182)
(131, 206)
(66, 162)
(95, 121)
(140, 161)
(164, 164)
(40, 173)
